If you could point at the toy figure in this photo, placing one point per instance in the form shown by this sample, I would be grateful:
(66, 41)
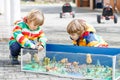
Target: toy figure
(48, 68)
(46, 61)
(98, 63)
(54, 60)
(36, 58)
(27, 33)
(75, 64)
(64, 60)
(88, 59)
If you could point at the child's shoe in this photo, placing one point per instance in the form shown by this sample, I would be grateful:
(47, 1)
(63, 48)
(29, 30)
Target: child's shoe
(14, 60)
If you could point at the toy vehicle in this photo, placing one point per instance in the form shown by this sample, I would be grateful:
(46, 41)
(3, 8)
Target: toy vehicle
(107, 14)
(67, 10)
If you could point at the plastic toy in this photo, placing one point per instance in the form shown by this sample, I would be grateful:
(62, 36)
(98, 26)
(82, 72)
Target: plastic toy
(67, 10)
(88, 59)
(76, 62)
(107, 14)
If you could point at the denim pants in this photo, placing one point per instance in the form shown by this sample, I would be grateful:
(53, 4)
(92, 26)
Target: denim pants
(15, 49)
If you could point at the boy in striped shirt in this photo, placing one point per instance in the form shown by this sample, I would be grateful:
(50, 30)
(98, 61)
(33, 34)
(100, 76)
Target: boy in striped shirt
(26, 33)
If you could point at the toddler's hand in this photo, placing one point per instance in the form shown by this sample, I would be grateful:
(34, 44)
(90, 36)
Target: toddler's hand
(38, 44)
(40, 48)
(33, 46)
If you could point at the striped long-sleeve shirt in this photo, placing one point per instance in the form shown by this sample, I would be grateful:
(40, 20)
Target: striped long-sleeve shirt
(23, 35)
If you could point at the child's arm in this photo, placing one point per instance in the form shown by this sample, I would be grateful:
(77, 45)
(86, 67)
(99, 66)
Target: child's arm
(42, 39)
(21, 39)
(95, 40)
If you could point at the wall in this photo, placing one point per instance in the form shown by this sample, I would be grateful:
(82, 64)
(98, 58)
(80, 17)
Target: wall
(118, 5)
(104, 2)
(77, 3)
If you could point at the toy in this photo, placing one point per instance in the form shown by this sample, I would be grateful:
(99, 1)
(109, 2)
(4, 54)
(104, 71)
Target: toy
(36, 58)
(107, 14)
(88, 59)
(77, 62)
(67, 10)
(46, 61)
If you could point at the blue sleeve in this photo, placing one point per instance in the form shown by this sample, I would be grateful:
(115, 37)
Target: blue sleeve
(91, 37)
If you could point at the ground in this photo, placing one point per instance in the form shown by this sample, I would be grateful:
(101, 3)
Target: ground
(55, 30)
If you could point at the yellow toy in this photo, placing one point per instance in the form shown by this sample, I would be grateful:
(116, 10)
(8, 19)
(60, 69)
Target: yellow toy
(88, 59)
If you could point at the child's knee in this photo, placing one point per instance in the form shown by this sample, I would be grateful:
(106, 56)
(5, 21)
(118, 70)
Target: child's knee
(15, 47)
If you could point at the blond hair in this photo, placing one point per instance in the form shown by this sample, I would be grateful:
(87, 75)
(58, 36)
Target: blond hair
(77, 26)
(35, 16)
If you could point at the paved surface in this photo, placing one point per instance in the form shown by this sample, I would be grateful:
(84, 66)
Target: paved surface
(55, 29)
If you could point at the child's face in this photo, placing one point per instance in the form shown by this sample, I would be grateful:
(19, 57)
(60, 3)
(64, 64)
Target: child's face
(32, 26)
(74, 36)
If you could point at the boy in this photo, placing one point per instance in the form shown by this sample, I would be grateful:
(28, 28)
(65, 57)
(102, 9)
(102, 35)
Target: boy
(26, 33)
(83, 34)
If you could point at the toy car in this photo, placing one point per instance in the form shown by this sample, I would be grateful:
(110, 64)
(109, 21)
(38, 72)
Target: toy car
(107, 14)
(67, 10)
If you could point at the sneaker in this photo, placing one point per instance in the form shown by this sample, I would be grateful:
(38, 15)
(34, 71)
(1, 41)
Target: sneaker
(14, 60)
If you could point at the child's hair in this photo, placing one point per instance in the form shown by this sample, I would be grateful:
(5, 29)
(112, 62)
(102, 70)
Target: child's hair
(35, 16)
(77, 26)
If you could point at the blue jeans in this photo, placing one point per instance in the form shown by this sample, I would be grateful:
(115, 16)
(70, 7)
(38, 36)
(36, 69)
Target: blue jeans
(15, 49)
